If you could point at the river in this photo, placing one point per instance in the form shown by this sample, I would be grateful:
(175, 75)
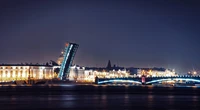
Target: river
(92, 97)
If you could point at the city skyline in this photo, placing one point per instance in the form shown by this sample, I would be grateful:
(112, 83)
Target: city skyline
(129, 33)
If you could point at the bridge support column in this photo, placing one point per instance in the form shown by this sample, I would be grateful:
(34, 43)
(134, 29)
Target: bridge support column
(96, 80)
(143, 80)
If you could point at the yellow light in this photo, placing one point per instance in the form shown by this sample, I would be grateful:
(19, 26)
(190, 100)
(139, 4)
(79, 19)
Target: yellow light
(8, 74)
(14, 74)
(4, 74)
(34, 75)
(19, 74)
(23, 75)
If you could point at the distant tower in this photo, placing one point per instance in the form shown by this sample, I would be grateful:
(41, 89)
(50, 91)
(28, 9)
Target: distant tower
(109, 65)
(60, 58)
(68, 56)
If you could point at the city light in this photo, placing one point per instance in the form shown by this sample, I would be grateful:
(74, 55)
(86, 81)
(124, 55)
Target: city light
(130, 81)
(10, 73)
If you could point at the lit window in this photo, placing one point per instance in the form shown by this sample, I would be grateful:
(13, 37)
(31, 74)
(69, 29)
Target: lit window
(4, 74)
(8, 74)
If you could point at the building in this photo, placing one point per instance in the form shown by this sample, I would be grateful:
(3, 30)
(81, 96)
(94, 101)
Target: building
(156, 72)
(109, 67)
(193, 73)
(11, 72)
(76, 73)
(61, 69)
(88, 74)
(83, 74)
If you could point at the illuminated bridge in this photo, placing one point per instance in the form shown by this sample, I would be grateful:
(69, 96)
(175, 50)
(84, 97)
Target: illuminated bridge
(69, 53)
(149, 80)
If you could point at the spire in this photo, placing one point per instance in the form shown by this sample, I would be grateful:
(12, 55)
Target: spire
(109, 65)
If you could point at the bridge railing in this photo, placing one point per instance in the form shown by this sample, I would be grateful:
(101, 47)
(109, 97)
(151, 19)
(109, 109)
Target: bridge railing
(180, 76)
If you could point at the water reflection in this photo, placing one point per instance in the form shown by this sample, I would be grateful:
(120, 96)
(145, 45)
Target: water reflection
(116, 100)
(12, 99)
(126, 100)
(104, 101)
(195, 101)
(171, 99)
(150, 101)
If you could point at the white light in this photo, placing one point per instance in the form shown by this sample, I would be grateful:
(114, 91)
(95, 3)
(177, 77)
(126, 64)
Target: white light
(19, 74)
(8, 74)
(101, 82)
(174, 79)
(4, 74)
(34, 75)
(14, 75)
(23, 74)
(41, 68)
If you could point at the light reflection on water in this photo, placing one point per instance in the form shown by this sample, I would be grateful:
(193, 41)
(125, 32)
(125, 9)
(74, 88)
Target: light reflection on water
(106, 101)
(103, 101)
(150, 100)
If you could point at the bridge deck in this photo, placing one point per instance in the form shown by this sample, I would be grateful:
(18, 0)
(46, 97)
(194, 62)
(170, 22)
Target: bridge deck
(148, 80)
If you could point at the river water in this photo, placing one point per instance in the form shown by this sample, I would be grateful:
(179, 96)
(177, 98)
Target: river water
(98, 98)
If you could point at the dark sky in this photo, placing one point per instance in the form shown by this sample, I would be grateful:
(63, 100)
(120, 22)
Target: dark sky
(140, 33)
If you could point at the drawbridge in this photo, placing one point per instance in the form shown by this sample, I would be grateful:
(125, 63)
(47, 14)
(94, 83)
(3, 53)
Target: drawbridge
(69, 53)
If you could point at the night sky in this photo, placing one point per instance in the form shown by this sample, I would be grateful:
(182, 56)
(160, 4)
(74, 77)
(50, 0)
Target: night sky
(140, 33)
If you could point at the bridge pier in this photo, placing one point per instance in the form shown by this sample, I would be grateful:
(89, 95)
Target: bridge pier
(143, 80)
(96, 80)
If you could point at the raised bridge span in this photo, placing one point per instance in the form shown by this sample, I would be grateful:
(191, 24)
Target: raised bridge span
(69, 53)
(148, 80)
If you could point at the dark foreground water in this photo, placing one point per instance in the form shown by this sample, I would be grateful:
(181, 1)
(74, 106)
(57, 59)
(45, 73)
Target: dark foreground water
(99, 98)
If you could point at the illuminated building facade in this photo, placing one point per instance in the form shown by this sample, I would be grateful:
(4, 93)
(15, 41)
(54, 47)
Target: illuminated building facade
(65, 70)
(156, 72)
(76, 72)
(10, 72)
(81, 74)
(68, 56)
(193, 73)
